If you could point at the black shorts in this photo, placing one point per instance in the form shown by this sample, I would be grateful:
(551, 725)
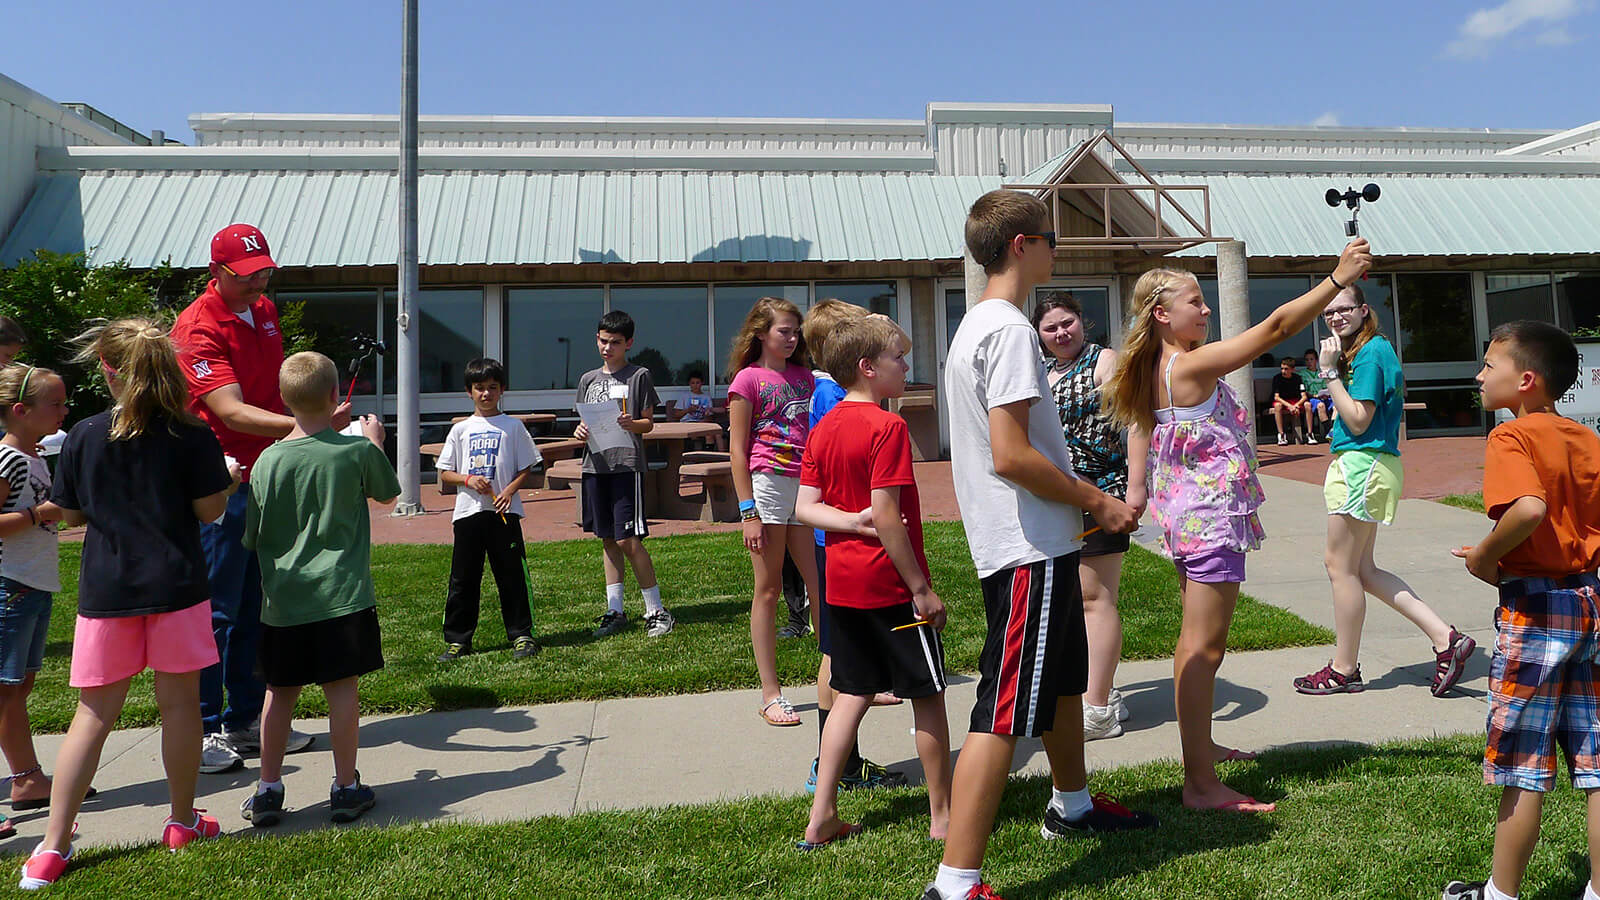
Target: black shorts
(320, 652)
(1036, 650)
(822, 595)
(869, 658)
(613, 505)
(1102, 542)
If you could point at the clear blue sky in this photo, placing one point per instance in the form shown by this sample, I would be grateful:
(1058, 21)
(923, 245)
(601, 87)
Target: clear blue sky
(1482, 63)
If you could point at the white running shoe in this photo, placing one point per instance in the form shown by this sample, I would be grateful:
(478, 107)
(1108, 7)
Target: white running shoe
(217, 755)
(1100, 722)
(1122, 708)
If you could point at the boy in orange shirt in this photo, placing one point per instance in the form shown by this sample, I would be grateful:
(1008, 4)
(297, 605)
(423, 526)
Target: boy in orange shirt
(1540, 477)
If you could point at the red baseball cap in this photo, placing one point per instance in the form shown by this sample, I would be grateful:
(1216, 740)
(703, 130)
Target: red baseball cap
(243, 249)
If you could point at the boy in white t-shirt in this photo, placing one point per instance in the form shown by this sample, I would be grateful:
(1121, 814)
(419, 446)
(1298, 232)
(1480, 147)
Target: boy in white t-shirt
(490, 454)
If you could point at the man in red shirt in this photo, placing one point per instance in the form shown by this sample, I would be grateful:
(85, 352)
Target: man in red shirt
(230, 348)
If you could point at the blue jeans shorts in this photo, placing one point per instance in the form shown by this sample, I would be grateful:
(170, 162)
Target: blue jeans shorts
(24, 625)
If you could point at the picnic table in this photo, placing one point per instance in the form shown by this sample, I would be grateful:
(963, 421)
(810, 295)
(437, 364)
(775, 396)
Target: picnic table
(661, 480)
(527, 419)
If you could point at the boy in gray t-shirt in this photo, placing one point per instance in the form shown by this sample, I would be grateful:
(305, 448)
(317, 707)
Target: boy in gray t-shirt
(613, 477)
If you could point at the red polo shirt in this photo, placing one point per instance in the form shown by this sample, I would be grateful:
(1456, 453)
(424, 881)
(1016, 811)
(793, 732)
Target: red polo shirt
(216, 349)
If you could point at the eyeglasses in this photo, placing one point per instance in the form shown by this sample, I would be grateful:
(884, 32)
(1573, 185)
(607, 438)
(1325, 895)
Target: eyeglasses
(1049, 237)
(1340, 312)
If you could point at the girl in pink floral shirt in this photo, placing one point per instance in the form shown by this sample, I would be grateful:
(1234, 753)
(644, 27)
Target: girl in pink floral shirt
(1168, 391)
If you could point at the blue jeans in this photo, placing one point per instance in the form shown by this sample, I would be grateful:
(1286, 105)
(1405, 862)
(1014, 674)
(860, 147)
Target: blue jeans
(24, 621)
(235, 576)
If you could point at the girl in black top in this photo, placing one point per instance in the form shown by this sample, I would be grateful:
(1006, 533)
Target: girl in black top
(143, 476)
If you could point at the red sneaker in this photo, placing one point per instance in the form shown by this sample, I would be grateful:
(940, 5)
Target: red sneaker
(176, 835)
(43, 868)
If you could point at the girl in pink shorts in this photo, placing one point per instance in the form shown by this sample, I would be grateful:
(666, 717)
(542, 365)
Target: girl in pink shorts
(142, 475)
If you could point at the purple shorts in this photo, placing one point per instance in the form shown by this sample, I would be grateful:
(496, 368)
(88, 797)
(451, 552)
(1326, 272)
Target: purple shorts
(1213, 566)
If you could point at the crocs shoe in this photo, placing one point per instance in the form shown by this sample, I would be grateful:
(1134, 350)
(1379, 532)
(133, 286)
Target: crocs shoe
(43, 868)
(176, 835)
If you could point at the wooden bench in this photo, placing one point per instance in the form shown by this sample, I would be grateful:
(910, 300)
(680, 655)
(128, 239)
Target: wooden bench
(718, 502)
(563, 474)
(1406, 408)
(432, 451)
(557, 449)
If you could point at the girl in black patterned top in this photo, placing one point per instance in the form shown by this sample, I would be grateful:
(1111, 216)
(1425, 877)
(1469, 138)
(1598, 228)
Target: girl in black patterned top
(1076, 370)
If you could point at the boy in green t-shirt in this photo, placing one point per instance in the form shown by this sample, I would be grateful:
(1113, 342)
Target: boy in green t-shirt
(307, 521)
(1321, 405)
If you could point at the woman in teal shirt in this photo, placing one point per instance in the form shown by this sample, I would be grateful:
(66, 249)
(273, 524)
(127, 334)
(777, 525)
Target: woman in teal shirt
(1363, 489)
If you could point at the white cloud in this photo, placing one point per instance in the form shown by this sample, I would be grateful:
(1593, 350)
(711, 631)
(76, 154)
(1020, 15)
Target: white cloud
(1328, 118)
(1486, 27)
(1555, 37)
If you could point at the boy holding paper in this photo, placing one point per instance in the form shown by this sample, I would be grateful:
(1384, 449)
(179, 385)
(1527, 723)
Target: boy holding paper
(613, 476)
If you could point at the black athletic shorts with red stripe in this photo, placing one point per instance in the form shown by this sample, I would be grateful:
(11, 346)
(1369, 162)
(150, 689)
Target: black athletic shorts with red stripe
(1036, 650)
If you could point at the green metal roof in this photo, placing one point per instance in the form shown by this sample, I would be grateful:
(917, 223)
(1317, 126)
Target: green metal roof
(347, 217)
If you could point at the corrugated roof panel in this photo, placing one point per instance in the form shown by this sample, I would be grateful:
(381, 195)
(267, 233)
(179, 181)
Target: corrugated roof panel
(724, 219)
(778, 218)
(698, 218)
(672, 219)
(751, 231)
(479, 219)
(616, 221)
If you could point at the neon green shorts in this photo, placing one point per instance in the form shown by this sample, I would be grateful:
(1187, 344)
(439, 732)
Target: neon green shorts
(1364, 485)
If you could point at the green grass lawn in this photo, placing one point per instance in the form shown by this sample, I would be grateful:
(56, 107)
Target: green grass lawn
(706, 582)
(1473, 501)
(1387, 822)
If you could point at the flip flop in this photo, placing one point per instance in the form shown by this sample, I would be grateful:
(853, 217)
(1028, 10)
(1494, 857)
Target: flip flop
(886, 698)
(1234, 754)
(783, 706)
(846, 831)
(44, 802)
(1246, 805)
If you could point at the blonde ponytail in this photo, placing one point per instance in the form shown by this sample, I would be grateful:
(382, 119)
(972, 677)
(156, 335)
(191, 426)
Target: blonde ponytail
(153, 387)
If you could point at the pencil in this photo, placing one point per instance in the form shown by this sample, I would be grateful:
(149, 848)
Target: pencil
(911, 625)
(1089, 532)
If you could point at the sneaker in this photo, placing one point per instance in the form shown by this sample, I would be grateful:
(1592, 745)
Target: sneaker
(177, 835)
(523, 647)
(43, 868)
(794, 630)
(1311, 437)
(1100, 722)
(1122, 708)
(263, 810)
(611, 623)
(248, 741)
(657, 624)
(1465, 890)
(218, 756)
(1107, 816)
(1328, 680)
(1282, 441)
(1449, 662)
(980, 891)
(351, 803)
(870, 775)
(453, 652)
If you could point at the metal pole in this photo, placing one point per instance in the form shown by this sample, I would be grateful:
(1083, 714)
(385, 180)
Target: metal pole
(408, 451)
(1233, 298)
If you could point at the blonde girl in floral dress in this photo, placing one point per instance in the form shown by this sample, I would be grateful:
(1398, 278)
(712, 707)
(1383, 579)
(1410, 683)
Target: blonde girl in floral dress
(1168, 391)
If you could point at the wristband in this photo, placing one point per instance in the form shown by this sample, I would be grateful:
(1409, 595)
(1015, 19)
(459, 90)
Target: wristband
(32, 516)
(1336, 283)
(747, 506)
(749, 515)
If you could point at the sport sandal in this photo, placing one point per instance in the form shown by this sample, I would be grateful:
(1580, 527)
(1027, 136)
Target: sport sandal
(1328, 680)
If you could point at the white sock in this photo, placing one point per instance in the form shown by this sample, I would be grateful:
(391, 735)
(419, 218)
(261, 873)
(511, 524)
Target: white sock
(1490, 892)
(344, 787)
(652, 600)
(614, 597)
(263, 787)
(1588, 891)
(954, 884)
(1071, 805)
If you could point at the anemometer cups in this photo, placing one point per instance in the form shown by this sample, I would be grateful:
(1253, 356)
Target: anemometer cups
(1352, 198)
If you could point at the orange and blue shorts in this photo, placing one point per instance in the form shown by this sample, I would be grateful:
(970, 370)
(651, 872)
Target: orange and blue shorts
(1543, 682)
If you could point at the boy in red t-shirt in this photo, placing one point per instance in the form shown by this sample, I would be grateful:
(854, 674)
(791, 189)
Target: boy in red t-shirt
(1540, 475)
(883, 616)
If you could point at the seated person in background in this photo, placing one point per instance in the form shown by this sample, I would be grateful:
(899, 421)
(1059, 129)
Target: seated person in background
(1321, 403)
(1288, 395)
(699, 406)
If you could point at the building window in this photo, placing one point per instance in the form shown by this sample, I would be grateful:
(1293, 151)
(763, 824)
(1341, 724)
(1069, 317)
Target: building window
(449, 330)
(670, 328)
(1512, 297)
(331, 321)
(1436, 318)
(549, 336)
(732, 303)
(878, 296)
(1578, 300)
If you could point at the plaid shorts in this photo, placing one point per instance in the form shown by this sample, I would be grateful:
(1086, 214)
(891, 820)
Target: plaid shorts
(1542, 683)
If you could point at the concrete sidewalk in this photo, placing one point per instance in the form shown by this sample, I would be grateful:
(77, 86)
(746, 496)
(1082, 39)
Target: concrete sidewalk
(515, 763)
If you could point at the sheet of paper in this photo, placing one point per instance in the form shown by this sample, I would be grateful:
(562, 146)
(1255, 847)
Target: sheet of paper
(605, 433)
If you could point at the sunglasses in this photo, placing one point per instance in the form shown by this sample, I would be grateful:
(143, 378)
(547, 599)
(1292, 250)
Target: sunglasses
(260, 273)
(1049, 237)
